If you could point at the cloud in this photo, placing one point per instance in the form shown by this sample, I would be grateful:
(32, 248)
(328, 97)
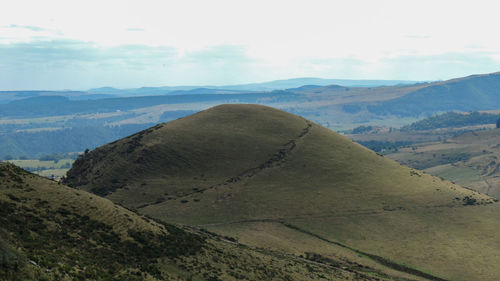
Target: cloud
(442, 66)
(84, 44)
(400, 67)
(135, 29)
(16, 33)
(76, 64)
(29, 27)
(71, 51)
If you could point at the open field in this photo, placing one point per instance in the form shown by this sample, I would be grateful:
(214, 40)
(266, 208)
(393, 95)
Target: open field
(48, 169)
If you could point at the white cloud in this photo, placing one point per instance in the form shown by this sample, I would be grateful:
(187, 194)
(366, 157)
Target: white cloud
(286, 38)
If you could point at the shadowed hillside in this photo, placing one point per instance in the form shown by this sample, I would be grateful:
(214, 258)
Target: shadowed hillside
(275, 180)
(55, 232)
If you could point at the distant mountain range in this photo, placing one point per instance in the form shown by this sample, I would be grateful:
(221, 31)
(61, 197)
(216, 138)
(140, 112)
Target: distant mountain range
(110, 92)
(105, 114)
(264, 86)
(477, 92)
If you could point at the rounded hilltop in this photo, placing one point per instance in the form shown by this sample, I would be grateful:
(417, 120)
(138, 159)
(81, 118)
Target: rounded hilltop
(250, 161)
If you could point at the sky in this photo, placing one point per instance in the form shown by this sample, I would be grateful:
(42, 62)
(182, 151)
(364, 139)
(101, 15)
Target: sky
(76, 44)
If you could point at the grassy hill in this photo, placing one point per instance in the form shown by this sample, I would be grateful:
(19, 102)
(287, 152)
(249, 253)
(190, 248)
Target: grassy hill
(49, 231)
(275, 180)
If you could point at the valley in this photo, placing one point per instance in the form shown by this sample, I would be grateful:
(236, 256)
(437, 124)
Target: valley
(469, 160)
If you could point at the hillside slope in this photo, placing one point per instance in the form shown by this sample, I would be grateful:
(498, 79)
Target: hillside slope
(52, 232)
(55, 232)
(272, 179)
(476, 92)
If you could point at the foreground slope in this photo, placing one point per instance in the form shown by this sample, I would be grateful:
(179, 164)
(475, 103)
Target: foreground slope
(51, 232)
(276, 180)
(54, 232)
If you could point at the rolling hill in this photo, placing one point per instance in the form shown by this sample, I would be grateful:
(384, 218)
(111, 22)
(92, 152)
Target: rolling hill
(277, 181)
(49, 231)
(263, 86)
(475, 92)
(40, 115)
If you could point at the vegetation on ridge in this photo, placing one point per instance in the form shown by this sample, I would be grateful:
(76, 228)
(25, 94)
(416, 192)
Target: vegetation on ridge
(451, 120)
(68, 239)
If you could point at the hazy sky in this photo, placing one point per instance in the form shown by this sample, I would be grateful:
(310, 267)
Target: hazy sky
(84, 44)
